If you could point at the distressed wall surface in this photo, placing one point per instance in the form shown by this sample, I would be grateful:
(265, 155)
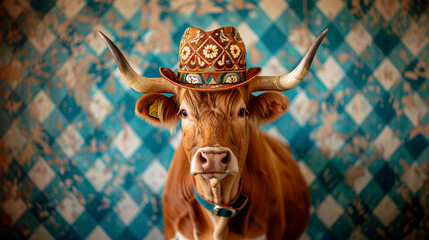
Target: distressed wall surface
(75, 162)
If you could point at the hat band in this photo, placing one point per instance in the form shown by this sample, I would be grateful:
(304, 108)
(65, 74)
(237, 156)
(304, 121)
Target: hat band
(212, 77)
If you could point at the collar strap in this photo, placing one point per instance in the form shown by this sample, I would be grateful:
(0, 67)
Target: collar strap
(230, 209)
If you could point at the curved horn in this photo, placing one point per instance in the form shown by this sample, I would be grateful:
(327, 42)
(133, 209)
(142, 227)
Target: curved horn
(290, 80)
(137, 82)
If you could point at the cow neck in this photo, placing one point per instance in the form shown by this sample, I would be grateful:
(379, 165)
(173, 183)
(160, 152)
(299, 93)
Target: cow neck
(229, 209)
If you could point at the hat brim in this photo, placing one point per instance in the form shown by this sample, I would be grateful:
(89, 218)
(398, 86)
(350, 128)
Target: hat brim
(168, 74)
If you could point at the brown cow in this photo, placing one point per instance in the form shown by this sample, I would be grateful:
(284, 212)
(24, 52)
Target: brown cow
(227, 179)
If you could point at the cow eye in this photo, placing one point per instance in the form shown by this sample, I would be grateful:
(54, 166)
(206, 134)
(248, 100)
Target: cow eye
(241, 112)
(184, 113)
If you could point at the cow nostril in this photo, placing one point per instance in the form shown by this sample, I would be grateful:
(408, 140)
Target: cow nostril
(203, 161)
(225, 160)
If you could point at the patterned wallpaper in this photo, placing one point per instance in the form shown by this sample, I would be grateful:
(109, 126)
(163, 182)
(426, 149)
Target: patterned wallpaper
(76, 163)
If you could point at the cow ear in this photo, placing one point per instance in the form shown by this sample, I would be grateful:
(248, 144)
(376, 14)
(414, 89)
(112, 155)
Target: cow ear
(158, 110)
(268, 107)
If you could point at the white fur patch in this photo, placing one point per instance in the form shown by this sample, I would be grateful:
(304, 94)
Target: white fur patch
(179, 236)
(195, 234)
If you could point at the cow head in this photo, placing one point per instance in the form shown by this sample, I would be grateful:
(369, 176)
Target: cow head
(215, 124)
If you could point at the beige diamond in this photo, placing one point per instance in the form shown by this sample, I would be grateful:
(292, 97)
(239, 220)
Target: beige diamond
(273, 8)
(41, 174)
(98, 234)
(127, 209)
(415, 108)
(329, 211)
(387, 143)
(358, 38)
(387, 8)
(127, 141)
(415, 38)
(41, 106)
(415, 177)
(70, 8)
(386, 211)
(42, 38)
(387, 74)
(330, 8)
(330, 73)
(358, 108)
(127, 7)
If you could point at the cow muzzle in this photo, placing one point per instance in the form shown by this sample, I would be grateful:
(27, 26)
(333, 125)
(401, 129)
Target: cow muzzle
(214, 162)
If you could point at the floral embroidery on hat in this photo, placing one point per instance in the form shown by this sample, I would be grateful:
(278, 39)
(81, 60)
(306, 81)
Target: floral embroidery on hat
(210, 51)
(186, 51)
(235, 51)
(231, 79)
(212, 58)
(192, 78)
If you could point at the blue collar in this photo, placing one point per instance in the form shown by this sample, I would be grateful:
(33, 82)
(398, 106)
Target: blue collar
(230, 209)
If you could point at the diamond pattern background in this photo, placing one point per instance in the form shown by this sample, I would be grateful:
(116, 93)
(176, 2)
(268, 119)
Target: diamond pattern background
(76, 163)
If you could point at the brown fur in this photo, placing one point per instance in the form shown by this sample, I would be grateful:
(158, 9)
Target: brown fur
(278, 196)
(278, 205)
(214, 125)
(268, 107)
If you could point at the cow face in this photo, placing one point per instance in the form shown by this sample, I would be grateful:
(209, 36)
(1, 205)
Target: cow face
(215, 130)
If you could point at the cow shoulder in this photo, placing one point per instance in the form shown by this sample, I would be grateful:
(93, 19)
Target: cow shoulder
(178, 198)
(294, 189)
(262, 185)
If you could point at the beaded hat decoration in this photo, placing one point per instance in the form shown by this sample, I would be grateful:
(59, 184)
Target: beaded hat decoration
(211, 61)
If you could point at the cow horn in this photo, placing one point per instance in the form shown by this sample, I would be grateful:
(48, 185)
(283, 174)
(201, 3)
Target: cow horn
(137, 82)
(290, 80)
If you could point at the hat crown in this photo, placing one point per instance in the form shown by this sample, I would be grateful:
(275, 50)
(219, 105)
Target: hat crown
(205, 55)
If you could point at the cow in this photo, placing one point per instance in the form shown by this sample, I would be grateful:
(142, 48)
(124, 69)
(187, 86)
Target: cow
(227, 179)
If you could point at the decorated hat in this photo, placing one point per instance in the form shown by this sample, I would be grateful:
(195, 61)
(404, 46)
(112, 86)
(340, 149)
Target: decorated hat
(211, 61)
